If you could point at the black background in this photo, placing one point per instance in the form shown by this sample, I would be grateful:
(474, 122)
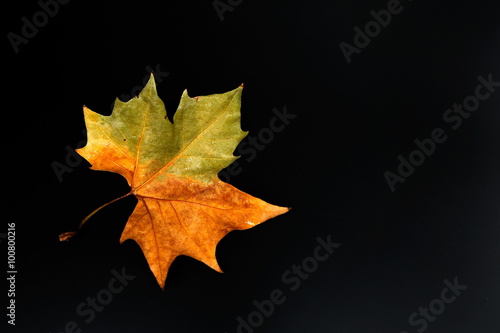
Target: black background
(353, 120)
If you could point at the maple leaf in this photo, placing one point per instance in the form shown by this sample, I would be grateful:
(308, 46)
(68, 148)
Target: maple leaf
(183, 208)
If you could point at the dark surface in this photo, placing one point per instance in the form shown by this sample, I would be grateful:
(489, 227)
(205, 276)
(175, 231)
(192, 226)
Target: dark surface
(353, 121)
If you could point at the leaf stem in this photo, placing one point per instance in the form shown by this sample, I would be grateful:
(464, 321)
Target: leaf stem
(67, 235)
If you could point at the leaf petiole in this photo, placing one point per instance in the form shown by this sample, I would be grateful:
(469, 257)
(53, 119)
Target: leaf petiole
(67, 235)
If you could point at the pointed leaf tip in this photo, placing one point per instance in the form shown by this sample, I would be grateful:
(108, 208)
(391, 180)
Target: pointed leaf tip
(151, 82)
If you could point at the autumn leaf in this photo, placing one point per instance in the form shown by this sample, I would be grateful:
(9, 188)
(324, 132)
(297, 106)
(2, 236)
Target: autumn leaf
(183, 208)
